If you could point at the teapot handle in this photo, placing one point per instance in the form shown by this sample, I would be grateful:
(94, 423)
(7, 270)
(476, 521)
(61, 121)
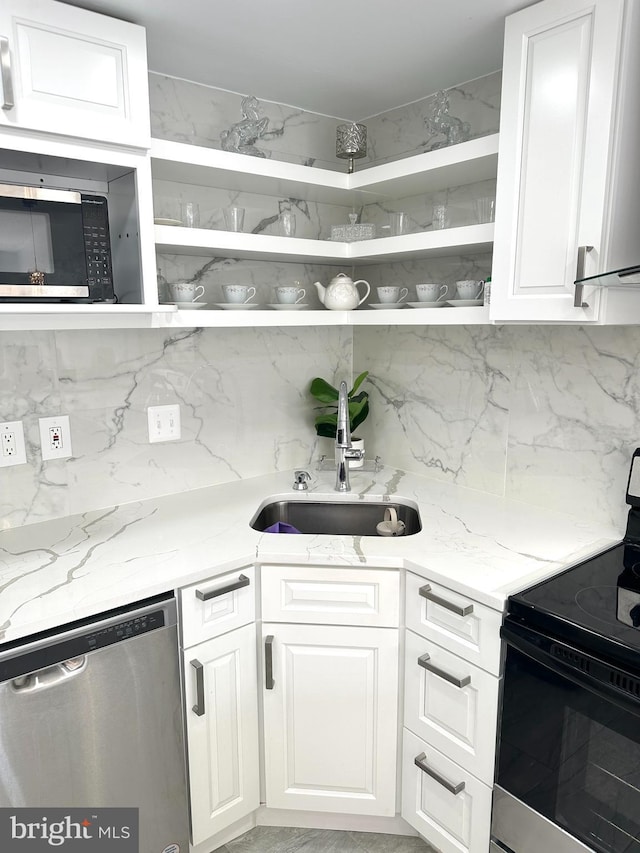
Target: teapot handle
(366, 284)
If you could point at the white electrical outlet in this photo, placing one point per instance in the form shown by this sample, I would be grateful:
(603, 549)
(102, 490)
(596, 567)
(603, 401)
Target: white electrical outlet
(55, 437)
(164, 423)
(12, 449)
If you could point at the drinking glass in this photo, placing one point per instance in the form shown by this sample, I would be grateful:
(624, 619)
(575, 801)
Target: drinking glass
(234, 218)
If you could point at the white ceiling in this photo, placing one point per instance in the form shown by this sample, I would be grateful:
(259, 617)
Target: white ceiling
(345, 58)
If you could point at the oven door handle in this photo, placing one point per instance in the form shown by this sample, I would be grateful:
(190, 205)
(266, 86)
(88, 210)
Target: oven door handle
(581, 668)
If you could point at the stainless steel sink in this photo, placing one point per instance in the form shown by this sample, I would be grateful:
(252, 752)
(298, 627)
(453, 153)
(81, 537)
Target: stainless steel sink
(337, 518)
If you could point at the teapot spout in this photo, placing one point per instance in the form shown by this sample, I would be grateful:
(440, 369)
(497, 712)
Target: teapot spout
(321, 291)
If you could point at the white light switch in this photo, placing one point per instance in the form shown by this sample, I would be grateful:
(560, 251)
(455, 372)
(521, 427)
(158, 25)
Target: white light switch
(164, 423)
(55, 437)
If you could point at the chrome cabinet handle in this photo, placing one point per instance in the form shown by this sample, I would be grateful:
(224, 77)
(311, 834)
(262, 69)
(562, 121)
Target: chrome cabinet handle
(268, 662)
(5, 73)
(205, 595)
(198, 708)
(425, 592)
(582, 256)
(424, 662)
(453, 788)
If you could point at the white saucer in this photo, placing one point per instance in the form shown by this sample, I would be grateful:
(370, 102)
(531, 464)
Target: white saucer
(190, 306)
(428, 304)
(167, 222)
(383, 305)
(237, 306)
(465, 303)
(289, 306)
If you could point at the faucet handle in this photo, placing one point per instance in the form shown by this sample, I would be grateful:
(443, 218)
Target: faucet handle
(300, 480)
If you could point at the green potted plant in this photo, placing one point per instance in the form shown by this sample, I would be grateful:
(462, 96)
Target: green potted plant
(326, 422)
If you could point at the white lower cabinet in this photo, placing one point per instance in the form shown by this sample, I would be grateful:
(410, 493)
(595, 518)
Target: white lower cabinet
(446, 804)
(330, 717)
(221, 699)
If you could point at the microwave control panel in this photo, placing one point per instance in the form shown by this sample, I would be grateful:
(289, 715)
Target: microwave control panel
(95, 222)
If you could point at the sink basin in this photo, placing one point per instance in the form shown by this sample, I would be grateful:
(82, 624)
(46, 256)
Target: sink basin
(336, 518)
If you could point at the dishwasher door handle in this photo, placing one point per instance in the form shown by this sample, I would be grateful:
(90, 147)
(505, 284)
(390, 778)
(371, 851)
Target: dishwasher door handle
(198, 708)
(49, 676)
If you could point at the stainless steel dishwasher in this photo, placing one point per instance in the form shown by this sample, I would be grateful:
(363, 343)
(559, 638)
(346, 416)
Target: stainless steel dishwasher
(91, 717)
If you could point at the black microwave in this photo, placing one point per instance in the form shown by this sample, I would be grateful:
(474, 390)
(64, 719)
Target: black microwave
(54, 246)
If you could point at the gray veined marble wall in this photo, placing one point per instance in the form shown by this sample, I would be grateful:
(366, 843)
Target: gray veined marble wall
(548, 415)
(242, 396)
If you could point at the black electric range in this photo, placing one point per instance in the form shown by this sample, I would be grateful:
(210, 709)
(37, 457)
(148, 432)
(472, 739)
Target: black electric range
(594, 605)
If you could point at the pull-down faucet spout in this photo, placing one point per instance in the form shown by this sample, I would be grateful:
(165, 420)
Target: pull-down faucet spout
(344, 450)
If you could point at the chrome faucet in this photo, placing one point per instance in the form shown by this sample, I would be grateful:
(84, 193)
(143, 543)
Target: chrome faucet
(344, 450)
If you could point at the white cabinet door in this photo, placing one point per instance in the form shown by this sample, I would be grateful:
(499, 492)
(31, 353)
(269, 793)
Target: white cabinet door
(73, 72)
(560, 78)
(330, 718)
(221, 687)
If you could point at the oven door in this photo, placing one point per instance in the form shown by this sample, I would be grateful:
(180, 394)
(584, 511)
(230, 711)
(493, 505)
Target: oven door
(569, 749)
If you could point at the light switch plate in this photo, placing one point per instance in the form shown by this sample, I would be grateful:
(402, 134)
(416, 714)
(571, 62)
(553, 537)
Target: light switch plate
(12, 449)
(164, 423)
(55, 437)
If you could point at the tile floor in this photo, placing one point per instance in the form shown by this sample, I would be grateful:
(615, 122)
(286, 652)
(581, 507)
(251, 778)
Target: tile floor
(279, 839)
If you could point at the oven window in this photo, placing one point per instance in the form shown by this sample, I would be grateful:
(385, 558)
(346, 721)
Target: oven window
(571, 755)
(25, 241)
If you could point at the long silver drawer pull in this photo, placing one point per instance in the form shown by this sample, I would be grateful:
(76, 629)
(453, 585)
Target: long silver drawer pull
(419, 761)
(5, 71)
(205, 595)
(425, 592)
(425, 662)
(198, 708)
(268, 662)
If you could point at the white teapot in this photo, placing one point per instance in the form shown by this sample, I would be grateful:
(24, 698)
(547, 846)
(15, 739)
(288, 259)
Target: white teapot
(341, 294)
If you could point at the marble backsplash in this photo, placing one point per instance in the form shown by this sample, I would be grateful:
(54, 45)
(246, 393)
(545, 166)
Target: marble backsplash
(547, 415)
(188, 112)
(243, 396)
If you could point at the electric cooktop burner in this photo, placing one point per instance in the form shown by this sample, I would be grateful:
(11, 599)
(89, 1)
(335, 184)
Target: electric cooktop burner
(597, 601)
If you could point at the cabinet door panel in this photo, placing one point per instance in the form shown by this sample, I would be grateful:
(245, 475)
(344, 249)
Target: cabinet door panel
(452, 822)
(331, 719)
(76, 73)
(560, 72)
(222, 731)
(208, 611)
(461, 720)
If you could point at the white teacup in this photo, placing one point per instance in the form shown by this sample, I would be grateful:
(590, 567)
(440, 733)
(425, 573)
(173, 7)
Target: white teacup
(392, 293)
(238, 293)
(186, 291)
(431, 291)
(289, 294)
(470, 289)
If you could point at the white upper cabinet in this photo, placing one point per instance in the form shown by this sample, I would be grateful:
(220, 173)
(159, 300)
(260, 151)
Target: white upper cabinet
(73, 72)
(566, 79)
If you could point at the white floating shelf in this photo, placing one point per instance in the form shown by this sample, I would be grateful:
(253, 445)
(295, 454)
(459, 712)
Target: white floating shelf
(457, 165)
(26, 316)
(468, 239)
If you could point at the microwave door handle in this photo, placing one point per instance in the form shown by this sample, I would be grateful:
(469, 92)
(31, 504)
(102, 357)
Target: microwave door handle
(520, 639)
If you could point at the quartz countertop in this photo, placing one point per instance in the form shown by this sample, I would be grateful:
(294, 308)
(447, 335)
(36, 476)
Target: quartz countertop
(481, 546)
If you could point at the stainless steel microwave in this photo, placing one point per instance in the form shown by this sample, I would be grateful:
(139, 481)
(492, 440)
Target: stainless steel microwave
(54, 246)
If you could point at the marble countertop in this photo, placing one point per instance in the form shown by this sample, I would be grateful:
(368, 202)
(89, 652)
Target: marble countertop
(482, 546)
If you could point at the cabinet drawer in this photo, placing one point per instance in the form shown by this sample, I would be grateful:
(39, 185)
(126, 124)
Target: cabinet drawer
(454, 622)
(451, 704)
(217, 605)
(443, 802)
(330, 596)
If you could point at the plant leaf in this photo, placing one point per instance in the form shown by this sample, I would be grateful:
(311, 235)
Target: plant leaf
(321, 390)
(358, 418)
(359, 380)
